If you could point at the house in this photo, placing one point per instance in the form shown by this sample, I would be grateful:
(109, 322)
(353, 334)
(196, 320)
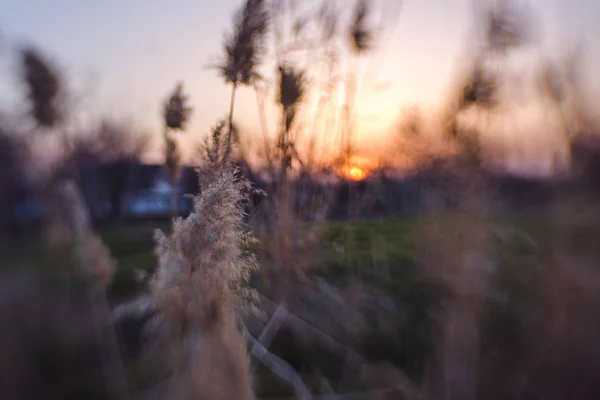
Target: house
(112, 191)
(150, 193)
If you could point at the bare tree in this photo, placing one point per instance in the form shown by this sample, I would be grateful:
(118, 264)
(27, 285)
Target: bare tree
(105, 154)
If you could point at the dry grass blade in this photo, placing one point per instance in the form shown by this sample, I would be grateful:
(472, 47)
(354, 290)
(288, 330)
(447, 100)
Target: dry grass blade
(270, 330)
(280, 368)
(324, 339)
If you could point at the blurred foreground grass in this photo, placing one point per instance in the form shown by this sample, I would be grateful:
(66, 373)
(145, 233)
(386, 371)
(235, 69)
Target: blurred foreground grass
(384, 254)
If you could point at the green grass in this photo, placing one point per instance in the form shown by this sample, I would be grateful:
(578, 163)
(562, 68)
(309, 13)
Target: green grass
(133, 249)
(384, 254)
(381, 252)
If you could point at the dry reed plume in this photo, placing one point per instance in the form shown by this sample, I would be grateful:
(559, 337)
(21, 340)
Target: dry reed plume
(244, 48)
(199, 289)
(44, 88)
(176, 114)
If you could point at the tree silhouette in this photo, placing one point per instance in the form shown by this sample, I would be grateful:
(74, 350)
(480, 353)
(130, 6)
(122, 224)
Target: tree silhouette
(111, 148)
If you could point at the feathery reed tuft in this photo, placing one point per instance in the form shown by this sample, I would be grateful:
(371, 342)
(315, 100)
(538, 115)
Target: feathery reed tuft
(243, 51)
(506, 27)
(244, 47)
(44, 86)
(480, 89)
(202, 264)
(176, 112)
(199, 289)
(214, 151)
(361, 35)
(291, 90)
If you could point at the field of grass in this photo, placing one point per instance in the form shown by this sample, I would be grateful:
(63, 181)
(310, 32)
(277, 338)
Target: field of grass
(382, 252)
(387, 254)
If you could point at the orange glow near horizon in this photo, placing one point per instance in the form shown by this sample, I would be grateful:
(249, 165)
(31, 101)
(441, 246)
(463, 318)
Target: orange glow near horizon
(356, 173)
(356, 169)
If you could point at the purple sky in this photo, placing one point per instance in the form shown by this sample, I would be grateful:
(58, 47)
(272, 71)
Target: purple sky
(125, 56)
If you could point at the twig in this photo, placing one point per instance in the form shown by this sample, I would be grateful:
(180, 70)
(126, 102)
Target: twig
(279, 367)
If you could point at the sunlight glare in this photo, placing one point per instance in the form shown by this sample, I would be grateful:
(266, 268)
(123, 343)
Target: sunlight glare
(356, 173)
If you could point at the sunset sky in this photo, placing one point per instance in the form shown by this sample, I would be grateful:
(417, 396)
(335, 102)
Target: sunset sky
(124, 56)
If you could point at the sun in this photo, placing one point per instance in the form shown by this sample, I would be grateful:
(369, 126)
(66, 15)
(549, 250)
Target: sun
(356, 173)
(357, 168)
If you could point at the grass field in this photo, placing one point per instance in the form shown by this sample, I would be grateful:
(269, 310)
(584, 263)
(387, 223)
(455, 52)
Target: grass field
(390, 255)
(381, 251)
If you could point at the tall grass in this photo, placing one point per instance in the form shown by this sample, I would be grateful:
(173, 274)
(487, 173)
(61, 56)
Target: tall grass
(453, 302)
(200, 293)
